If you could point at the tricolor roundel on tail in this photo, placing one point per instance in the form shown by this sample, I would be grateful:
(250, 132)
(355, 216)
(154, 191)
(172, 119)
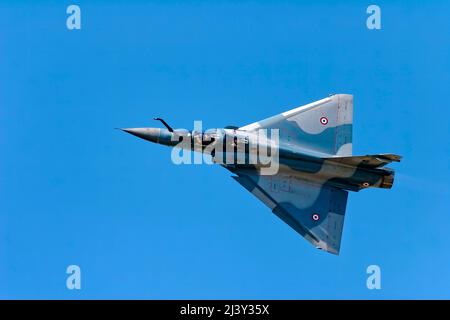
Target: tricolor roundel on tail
(324, 126)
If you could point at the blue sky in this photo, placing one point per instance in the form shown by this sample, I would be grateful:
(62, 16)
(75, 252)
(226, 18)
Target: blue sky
(75, 191)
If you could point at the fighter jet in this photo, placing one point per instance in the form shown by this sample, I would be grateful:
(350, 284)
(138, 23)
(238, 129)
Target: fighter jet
(315, 166)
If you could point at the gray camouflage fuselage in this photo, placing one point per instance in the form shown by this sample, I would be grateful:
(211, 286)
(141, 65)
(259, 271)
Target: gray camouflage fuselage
(345, 175)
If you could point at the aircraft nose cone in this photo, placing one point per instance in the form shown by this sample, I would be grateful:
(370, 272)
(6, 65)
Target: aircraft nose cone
(150, 134)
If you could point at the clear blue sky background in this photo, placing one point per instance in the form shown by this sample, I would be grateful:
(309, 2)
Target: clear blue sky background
(75, 191)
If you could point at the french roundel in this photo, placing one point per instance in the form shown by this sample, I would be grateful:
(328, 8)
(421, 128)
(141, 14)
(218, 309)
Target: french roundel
(315, 217)
(324, 120)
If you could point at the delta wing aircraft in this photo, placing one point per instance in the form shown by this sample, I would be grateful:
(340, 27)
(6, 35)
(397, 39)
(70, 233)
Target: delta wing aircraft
(315, 167)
